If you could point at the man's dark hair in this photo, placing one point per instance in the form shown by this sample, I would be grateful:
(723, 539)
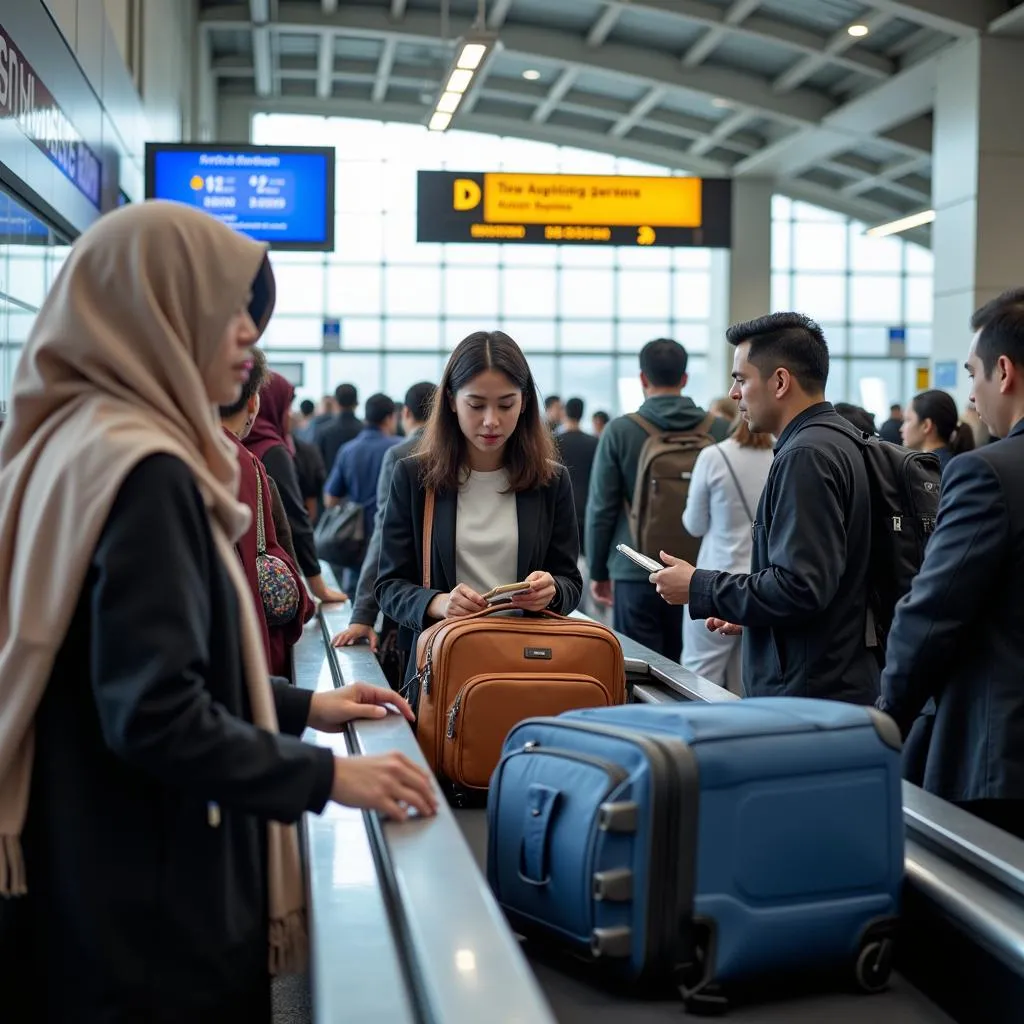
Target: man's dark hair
(346, 396)
(574, 409)
(1001, 323)
(306, 407)
(378, 408)
(550, 401)
(601, 416)
(663, 362)
(258, 377)
(418, 400)
(790, 340)
(895, 407)
(858, 416)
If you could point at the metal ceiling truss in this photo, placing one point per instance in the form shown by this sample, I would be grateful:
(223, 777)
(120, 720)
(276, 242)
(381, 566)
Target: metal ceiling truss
(779, 127)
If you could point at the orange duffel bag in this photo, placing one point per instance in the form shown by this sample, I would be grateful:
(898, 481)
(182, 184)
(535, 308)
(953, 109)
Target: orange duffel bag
(482, 674)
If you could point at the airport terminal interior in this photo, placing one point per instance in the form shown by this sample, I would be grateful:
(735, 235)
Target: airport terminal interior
(612, 184)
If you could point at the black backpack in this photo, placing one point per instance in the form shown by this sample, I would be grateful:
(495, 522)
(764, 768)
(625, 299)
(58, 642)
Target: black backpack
(904, 504)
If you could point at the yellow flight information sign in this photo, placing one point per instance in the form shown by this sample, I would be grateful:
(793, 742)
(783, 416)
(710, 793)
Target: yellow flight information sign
(573, 209)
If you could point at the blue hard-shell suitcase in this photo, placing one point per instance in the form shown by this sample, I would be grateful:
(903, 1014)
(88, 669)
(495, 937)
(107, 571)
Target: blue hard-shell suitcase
(708, 844)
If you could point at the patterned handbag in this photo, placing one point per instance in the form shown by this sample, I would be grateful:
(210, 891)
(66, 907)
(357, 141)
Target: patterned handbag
(279, 590)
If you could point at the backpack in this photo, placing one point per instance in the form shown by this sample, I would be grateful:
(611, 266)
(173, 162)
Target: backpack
(663, 474)
(904, 504)
(340, 535)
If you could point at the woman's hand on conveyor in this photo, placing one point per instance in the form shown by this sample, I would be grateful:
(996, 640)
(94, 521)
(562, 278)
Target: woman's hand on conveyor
(388, 783)
(329, 710)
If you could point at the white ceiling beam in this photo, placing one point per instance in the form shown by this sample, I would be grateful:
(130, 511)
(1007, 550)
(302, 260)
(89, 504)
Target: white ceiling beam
(325, 66)
(1009, 24)
(398, 9)
(904, 97)
(384, 66)
(956, 17)
(498, 13)
(262, 58)
(713, 38)
(799, 107)
(640, 110)
(886, 176)
(726, 127)
(601, 28)
(263, 65)
(563, 84)
(839, 42)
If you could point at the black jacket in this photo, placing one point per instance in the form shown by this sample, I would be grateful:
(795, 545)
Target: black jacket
(138, 907)
(364, 604)
(958, 637)
(803, 605)
(548, 541)
(330, 435)
(577, 451)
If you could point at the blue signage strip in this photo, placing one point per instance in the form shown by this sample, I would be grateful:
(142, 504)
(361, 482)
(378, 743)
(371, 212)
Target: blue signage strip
(280, 195)
(25, 100)
(945, 374)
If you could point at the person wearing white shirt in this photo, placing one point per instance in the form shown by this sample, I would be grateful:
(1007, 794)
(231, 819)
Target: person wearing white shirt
(727, 482)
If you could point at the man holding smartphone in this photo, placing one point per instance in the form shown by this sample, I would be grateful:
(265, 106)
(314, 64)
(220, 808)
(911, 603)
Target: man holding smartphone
(803, 606)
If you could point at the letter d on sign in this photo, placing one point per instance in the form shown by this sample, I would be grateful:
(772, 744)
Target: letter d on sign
(467, 194)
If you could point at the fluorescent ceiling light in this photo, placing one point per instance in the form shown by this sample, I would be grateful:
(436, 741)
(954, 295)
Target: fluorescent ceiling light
(439, 122)
(531, 74)
(449, 102)
(894, 227)
(458, 81)
(472, 54)
(858, 31)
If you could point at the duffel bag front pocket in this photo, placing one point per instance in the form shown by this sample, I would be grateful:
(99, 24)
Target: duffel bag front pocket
(489, 706)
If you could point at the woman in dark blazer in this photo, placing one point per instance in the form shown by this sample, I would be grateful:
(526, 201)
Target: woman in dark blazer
(503, 506)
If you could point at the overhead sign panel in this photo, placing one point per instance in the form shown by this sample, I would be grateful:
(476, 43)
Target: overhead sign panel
(283, 195)
(471, 206)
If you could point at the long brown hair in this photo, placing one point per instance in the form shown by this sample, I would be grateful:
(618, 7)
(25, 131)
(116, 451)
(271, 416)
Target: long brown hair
(747, 438)
(529, 454)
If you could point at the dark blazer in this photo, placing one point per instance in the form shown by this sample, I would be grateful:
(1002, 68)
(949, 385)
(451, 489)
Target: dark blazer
(803, 606)
(548, 541)
(139, 906)
(958, 636)
(577, 451)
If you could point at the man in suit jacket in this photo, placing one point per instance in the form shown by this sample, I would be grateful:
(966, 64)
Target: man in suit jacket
(958, 636)
(577, 452)
(415, 411)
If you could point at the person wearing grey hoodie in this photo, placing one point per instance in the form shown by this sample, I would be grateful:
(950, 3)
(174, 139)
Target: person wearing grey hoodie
(638, 611)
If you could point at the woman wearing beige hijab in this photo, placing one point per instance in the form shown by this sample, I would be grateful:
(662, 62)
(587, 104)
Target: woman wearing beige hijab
(149, 866)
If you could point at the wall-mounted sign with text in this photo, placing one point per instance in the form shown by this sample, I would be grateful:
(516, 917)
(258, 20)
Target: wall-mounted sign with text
(25, 100)
(568, 209)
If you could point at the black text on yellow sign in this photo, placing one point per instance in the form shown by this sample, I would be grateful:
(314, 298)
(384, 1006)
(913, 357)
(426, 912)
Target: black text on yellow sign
(573, 209)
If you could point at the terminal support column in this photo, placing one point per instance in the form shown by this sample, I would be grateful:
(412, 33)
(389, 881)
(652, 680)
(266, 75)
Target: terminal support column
(978, 184)
(741, 279)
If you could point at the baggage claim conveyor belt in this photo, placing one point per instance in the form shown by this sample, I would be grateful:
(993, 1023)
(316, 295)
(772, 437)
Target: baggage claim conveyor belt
(403, 927)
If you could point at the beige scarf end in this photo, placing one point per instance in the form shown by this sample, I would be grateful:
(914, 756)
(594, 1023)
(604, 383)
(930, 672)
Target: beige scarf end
(289, 944)
(12, 867)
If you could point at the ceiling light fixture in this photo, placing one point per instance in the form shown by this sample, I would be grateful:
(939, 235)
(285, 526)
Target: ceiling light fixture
(471, 54)
(858, 31)
(531, 74)
(894, 227)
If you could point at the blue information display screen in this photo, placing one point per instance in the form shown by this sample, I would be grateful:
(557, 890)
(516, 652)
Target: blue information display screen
(280, 195)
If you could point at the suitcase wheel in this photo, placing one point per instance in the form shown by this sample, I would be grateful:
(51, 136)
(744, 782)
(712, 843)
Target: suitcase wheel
(874, 964)
(710, 1001)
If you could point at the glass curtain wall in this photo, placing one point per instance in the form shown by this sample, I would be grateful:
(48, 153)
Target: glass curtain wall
(865, 292)
(580, 313)
(30, 257)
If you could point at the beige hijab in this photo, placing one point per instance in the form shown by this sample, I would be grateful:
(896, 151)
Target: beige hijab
(113, 373)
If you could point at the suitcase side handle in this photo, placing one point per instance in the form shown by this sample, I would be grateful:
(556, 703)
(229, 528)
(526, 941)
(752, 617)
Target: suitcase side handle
(539, 812)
